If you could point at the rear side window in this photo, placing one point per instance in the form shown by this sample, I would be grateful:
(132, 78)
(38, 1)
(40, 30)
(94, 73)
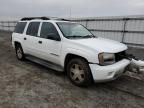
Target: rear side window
(20, 27)
(33, 28)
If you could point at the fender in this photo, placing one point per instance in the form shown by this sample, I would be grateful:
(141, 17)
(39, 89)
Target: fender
(17, 38)
(88, 55)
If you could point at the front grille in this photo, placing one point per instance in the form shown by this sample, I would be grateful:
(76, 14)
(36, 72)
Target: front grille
(119, 56)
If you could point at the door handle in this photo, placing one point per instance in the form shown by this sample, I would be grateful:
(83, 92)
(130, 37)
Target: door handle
(25, 38)
(40, 42)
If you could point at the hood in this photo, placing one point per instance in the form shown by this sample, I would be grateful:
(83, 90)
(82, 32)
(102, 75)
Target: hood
(102, 45)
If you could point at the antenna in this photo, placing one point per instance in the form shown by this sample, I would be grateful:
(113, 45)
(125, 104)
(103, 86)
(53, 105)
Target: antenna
(70, 12)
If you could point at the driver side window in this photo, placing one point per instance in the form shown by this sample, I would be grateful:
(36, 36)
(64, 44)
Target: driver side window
(48, 29)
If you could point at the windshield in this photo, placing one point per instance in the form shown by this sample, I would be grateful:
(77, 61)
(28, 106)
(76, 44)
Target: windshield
(73, 30)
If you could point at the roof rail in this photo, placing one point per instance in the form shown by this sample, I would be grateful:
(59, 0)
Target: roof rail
(43, 18)
(31, 18)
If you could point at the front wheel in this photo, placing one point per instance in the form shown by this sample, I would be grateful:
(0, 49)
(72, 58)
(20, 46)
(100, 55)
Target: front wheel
(79, 72)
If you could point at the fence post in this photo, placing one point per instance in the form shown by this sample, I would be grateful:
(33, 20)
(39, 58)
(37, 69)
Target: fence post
(2, 25)
(124, 29)
(8, 26)
(86, 23)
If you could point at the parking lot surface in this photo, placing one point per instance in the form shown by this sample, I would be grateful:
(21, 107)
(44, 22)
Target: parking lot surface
(30, 85)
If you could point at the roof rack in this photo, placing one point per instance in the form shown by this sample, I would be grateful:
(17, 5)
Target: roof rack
(43, 18)
(32, 18)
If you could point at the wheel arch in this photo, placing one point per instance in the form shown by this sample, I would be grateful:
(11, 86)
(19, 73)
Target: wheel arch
(16, 43)
(70, 56)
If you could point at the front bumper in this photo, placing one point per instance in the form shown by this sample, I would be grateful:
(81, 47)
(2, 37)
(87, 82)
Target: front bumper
(110, 72)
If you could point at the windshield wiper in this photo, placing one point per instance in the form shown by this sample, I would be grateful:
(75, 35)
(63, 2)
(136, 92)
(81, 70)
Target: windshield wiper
(89, 36)
(77, 36)
(74, 36)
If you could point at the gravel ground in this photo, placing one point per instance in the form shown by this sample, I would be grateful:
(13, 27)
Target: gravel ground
(29, 85)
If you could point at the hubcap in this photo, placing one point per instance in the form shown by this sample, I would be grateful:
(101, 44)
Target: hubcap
(19, 53)
(77, 73)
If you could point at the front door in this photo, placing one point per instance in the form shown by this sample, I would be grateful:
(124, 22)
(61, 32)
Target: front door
(49, 46)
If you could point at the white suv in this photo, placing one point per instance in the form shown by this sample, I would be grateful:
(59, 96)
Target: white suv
(69, 47)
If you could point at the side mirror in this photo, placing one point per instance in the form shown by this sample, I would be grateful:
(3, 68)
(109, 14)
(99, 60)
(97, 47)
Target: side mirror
(53, 36)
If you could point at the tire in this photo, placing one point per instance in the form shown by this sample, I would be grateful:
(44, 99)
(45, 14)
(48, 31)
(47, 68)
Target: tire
(19, 52)
(79, 72)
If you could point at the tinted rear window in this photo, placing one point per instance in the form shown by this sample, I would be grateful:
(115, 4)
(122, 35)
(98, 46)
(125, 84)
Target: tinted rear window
(20, 27)
(33, 28)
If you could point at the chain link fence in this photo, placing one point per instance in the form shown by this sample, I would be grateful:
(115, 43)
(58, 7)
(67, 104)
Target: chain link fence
(7, 25)
(128, 30)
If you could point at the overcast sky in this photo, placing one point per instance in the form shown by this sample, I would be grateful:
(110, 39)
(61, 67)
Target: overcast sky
(79, 8)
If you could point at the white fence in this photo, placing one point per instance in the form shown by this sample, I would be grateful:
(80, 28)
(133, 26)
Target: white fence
(129, 30)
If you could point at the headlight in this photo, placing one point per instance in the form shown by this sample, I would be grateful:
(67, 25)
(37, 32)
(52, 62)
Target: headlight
(106, 58)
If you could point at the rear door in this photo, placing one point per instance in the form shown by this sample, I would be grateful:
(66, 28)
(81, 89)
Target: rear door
(31, 38)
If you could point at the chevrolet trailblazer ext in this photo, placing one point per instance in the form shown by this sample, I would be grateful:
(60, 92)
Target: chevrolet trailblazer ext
(70, 47)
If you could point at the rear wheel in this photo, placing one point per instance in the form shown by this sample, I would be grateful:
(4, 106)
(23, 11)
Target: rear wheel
(19, 52)
(79, 72)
